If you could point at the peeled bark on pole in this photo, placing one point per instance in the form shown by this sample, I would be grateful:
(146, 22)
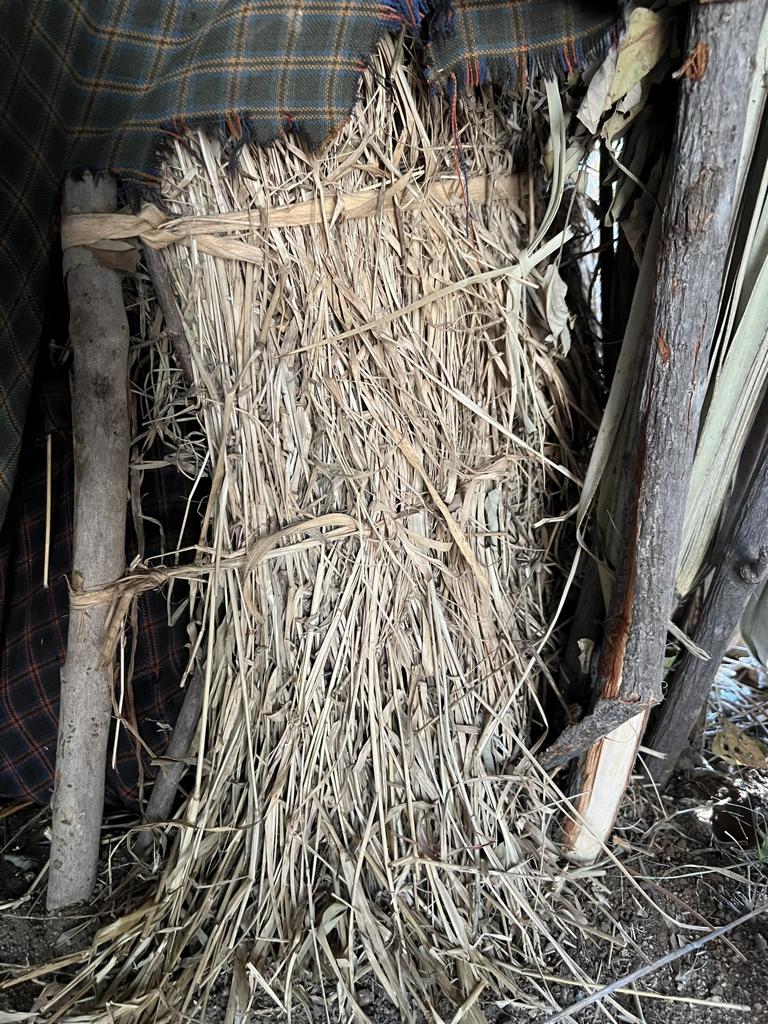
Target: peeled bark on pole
(743, 565)
(98, 330)
(699, 208)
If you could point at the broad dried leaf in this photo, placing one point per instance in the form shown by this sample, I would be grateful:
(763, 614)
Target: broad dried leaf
(626, 111)
(595, 102)
(642, 47)
(733, 402)
(558, 315)
(622, 71)
(735, 746)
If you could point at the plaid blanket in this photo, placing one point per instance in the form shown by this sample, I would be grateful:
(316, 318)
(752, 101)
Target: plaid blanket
(34, 617)
(85, 83)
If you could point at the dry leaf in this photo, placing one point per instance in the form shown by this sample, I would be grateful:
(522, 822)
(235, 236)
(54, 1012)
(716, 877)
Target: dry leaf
(641, 49)
(622, 71)
(586, 647)
(558, 315)
(735, 746)
(595, 103)
(626, 111)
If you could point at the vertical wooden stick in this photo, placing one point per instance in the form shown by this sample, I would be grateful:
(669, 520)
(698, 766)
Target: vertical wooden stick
(699, 208)
(169, 775)
(174, 326)
(100, 424)
(742, 567)
(48, 482)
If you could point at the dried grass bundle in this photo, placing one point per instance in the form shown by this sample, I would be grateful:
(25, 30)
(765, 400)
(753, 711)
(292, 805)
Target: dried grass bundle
(385, 427)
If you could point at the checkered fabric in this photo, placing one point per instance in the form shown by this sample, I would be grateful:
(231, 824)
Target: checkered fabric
(507, 41)
(88, 83)
(34, 618)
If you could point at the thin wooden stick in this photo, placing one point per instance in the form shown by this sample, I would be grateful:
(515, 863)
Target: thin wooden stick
(100, 426)
(170, 775)
(48, 477)
(641, 972)
(174, 327)
(742, 567)
(641, 993)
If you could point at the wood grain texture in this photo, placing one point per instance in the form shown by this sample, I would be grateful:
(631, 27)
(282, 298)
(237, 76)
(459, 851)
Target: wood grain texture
(699, 211)
(100, 424)
(742, 566)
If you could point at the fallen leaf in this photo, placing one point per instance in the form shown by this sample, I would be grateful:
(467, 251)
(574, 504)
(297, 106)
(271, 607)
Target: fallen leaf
(620, 75)
(735, 746)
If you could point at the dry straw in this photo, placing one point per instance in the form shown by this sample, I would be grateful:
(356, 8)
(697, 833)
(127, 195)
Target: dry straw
(385, 426)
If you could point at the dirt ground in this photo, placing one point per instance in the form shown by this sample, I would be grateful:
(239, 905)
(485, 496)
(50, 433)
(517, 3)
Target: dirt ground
(684, 864)
(696, 881)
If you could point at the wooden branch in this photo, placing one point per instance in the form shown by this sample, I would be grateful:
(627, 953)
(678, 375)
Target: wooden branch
(100, 424)
(608, 715)
(699, 208)
(742, 566)
(171, 773)
(174, 327)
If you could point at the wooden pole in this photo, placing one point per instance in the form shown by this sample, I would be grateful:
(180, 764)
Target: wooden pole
(699, 207)
(98, 329)
(174, 327)
(742, 566)
(171, 773)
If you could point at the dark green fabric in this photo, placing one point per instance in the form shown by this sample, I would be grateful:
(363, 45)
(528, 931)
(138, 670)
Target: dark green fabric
(504, 41)
(90, 83)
